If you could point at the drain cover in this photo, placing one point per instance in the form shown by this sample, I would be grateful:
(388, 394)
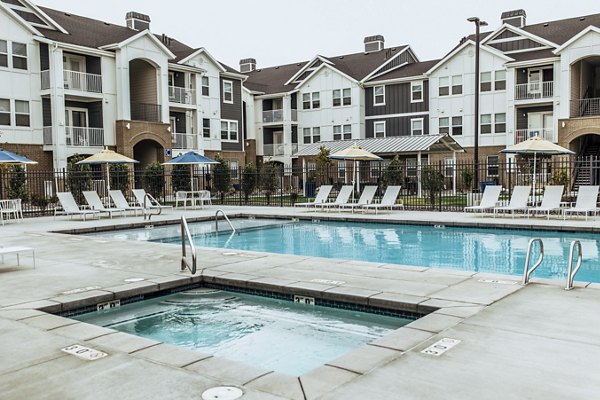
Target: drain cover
(131, 280)
(222, 393)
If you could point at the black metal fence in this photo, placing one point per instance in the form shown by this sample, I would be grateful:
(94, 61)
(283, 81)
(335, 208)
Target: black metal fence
(441, 186)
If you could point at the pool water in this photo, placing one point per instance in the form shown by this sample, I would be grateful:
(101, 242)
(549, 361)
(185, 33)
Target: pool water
(501, 251)
(278, 335)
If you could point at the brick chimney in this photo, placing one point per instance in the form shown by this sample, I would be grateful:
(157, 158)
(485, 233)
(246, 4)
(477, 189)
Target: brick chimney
(374, 43)
(137, 21)
(247, 65)
(516, 18)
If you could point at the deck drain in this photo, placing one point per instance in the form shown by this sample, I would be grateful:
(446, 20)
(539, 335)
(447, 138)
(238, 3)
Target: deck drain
(222, 393)
(131, 280)
(441, 346)
(230, 253)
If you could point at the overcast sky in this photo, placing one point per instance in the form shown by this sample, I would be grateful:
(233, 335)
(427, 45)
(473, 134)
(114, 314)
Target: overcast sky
(279, 32)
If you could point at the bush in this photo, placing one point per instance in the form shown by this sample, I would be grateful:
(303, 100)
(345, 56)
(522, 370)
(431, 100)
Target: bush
(119, 177)
(269, 179)
(249, 180)
(222, 177)
(393, 174)
(17, 183)
(154, 179)
(181, 178)
(79, 177)
(433, 181)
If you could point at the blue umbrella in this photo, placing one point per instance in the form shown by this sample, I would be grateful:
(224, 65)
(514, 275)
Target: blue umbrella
(191, 158)
(8, 157)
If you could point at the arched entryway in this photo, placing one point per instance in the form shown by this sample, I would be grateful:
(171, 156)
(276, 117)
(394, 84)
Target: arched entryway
(143, 91)
(148, 151)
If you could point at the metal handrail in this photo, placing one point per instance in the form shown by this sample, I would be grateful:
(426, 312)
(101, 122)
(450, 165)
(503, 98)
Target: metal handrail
(528, 271)
(570, 271)
(185, 234)
(149, 198)
(226, 218)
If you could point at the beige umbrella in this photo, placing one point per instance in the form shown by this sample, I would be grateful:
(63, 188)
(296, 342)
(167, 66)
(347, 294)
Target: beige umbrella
(536, 145)
(107, 157)
(355, 153)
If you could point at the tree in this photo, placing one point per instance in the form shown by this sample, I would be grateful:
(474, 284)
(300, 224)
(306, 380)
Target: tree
(154, 179)
(249, 180)
(222, 177)
(180, 177)
(17, 188)
(79, 177)
(433, 181)
(269, 179)
(393, 173)
(322, 162)
(119, 176)
(467, 177)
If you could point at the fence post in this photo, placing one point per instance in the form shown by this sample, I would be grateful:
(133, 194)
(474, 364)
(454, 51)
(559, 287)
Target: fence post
(441, 186)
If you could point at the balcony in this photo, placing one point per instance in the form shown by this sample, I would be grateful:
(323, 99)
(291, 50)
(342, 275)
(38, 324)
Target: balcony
(146, 112)
(523, 134)
(585, 107)
(184, 141)
(272, 116)
(534, 90)
(278, 149)
(181, 95)
(75, 80)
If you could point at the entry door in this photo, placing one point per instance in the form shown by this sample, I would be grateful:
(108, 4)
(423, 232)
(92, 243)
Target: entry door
(74, 68)
(278, 147)
(535, 124)
(548, 127)
(76, 122)
(535, 81)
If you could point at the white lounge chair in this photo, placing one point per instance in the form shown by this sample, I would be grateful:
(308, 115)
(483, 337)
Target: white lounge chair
(587, 202)
(121, 202)
(95, 203)
(387, 201)
(366, 197)
(151, 203)
(321, 198)
(342, 197)
(9, 209)
(70, 207)
(550, 201)
(518, 201)
(490, 197)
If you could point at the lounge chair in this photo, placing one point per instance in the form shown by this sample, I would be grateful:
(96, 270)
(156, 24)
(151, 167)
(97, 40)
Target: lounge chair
(387, 201)
(490, 197)
(366, 197)
(70, 207)
(9, 209)
(121, 202)
(321, 198)
(95, 203)
(587, 202)
(342, 197)
(518, 201)
(550, 201)
(151, 203)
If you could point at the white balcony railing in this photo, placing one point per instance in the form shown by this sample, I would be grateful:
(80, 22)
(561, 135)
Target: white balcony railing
(47, 130)
(534, 90)
(45, 80)
(181, 95)
(84, 137)
(184, 141)
(278, 149)
(523, 134)
(75, 80)
(272, 116)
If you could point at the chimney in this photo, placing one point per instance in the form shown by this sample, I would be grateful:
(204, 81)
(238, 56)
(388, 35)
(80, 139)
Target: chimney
(515, 18)
(374, 43)
(247, 65)
(137, 21)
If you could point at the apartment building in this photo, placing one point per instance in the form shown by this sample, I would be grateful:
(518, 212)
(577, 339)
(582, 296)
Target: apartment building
(73, 85)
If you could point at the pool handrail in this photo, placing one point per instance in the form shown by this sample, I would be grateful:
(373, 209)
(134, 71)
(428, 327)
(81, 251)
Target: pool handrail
(571, 272)
(147, 204)
(526, 270)
(226, 218)
(185, 233)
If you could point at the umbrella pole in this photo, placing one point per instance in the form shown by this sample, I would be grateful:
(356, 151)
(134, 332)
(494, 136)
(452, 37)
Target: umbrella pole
(354, 181)
(107, 177)
(534, 176)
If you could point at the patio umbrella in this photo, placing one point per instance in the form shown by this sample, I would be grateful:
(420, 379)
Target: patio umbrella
(107, 157)
(355, 153)
(536, 145)
(191, 158)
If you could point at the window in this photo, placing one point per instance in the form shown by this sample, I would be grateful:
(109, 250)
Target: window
(342, 97)
(379, 95)
(346, 97)
(306, 135)
(311, 100)
(444, 86)
(416, 126)
(448, 167)
(19, 55)
(316, 135)
(416, 92)
(379, 129)
(206, 127)
(22, 113)
(311, 135)
(492, 165)
(485, 84)
(234, 165)
(411, 167)
(342, 132)
(500, 80)
(457, 84)
(3, 53)
(485, 123)
(4, 112)
(227, 92)
(337, 97)
(205, 86)
(500, 123)
(229, 131)
(341, 169)
(456, 126)
(444, 125)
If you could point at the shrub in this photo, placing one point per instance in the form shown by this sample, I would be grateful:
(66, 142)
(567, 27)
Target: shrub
(393, 173)
(222, 177)
(17, 183)
(249, 180)
(79, 177)
(433, 181)
(154, 179)
(269, 179)
(119, 177)
(181, 178)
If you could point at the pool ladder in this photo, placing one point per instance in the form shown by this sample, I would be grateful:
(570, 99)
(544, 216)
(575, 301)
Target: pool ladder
(185, 234)
(571, 272)
(219, 211)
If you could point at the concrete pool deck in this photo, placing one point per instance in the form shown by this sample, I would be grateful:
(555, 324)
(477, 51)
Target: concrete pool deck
(516, 342)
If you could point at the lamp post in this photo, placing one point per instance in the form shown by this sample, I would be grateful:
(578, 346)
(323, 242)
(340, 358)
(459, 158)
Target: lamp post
(478, 23)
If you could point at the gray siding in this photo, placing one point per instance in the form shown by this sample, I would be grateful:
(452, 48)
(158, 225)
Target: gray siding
(46, 111)
(520, 44)
(522, 115)
(397, 100)
(405, 57)
(92, 65)
(44, 57)
(397, 126)
(233, 112)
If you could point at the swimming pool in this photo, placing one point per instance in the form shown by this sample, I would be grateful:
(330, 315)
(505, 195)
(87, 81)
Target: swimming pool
(274, 334)
(500, 251)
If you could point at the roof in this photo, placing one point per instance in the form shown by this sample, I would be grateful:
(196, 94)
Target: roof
(388, 146)
(562, 30)
(407, 71)
(356, 65)
(532, 55)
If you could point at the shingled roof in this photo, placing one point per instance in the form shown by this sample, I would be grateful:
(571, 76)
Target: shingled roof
(562, 30)
(407, 71)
